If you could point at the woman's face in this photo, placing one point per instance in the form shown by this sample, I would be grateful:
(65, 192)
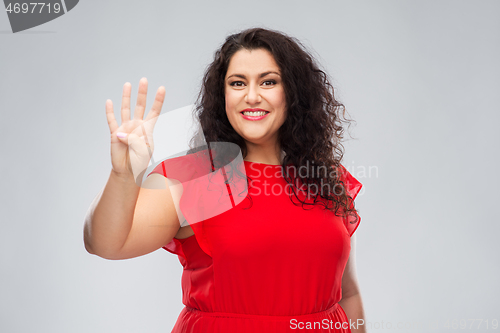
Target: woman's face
(255, 98)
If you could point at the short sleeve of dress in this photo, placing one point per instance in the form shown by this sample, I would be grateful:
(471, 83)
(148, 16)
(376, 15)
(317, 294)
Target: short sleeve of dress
(184, 169)
(352, 186)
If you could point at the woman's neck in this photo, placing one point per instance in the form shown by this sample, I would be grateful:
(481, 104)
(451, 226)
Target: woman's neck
(270, 154)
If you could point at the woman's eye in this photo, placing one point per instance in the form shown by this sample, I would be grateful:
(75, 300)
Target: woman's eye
(241, 84)
(269, 82)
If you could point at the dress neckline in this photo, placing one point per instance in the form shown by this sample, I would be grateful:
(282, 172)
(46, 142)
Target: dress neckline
(264, 164)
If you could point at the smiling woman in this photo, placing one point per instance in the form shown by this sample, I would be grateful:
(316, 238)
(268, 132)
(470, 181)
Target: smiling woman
(256, 102)
(267, 264)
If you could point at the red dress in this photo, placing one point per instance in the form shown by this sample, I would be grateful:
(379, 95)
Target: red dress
(265, 266)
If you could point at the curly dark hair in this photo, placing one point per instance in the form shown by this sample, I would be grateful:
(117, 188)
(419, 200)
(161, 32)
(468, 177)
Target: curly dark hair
(314, 127)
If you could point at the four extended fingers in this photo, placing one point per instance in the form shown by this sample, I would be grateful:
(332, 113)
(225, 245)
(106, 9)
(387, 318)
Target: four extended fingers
(140, 107)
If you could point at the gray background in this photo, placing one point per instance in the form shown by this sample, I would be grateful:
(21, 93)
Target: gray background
(421, 78)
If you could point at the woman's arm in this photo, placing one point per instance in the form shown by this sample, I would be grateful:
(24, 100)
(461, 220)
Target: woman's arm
(351, 300)
(109, 217)
(127, 221)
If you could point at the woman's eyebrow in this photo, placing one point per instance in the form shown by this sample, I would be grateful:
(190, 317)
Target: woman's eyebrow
(260, 76)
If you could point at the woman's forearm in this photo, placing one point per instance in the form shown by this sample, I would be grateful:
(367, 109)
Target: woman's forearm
(353, 308)
(109, 219)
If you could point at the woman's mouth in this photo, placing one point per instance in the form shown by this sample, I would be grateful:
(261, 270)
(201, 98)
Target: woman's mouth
(254, 114)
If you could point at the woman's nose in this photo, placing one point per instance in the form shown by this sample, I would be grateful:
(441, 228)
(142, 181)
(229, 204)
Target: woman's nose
(253, 95)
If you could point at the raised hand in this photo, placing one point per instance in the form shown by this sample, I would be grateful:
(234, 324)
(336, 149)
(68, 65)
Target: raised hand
(132, 142)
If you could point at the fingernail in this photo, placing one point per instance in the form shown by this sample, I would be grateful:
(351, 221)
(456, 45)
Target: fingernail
(121, 134)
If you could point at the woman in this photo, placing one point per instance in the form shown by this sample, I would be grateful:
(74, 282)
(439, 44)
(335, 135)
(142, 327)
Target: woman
(280, 260)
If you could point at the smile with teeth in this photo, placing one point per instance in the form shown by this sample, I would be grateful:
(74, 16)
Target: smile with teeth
(254, 113)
